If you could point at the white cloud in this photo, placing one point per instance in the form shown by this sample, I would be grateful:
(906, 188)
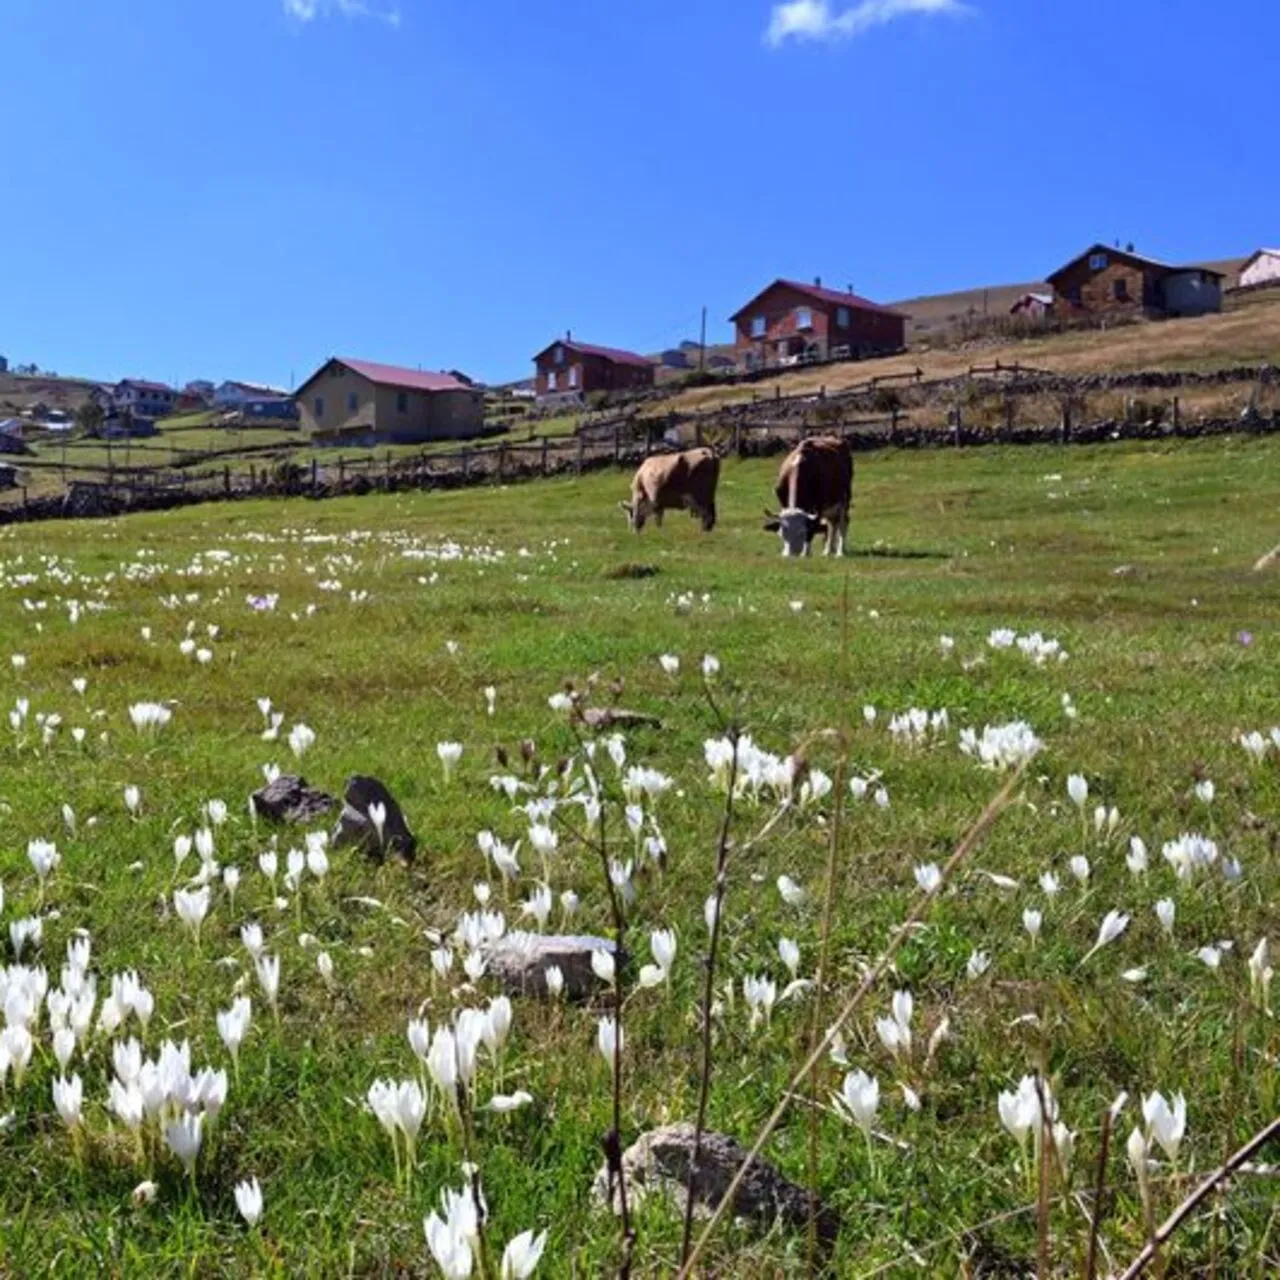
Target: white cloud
(814, 20)
(308, 10)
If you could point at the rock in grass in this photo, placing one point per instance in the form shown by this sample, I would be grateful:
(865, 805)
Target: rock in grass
(290, 799)
(658, 1163)
(356, 830)
(600, 719)
(520, 962)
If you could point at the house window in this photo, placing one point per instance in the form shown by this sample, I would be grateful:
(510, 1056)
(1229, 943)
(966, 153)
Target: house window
(353, 401)
(319, 406)
(559, 355)
(842, 317)
(552, 381)
(1097, 261)
(1121, 290)
(759, 326)
(575, 376)
(402, 402)
(804, 318)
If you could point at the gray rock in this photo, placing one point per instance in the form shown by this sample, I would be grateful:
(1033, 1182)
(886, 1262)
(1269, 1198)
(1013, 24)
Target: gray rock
(600, 719)
(290, 799)
(658, 1164)
(520, 962)
(355, 829)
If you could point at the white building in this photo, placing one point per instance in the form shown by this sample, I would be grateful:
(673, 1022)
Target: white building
(234, 395)
(1262, 268)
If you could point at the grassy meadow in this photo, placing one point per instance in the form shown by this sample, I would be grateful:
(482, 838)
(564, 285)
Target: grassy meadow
(381, 622)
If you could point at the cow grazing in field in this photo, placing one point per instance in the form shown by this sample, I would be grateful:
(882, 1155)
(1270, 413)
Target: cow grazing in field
(815, 495)
(673, 481)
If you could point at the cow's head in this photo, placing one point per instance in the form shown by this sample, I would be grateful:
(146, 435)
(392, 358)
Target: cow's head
(635, 513)
(796, 528)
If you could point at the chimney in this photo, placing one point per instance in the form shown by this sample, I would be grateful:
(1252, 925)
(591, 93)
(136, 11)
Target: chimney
(851, 291)
(568, 335)
(817, 282)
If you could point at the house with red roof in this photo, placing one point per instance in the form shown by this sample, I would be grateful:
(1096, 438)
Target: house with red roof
(569, 369)
(380, 403)
(790, 322)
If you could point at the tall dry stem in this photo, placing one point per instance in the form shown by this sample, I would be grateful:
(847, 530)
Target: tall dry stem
(873, 975)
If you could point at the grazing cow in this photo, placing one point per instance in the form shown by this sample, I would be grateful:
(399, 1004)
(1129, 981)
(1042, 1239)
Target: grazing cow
(815, 494)
(672, 481)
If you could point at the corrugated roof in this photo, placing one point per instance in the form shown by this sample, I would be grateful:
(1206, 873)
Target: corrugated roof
(390, 375)
(833, 296)
(615, 354)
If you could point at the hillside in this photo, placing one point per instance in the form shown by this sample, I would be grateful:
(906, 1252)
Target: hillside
(1247, 332)
(381, 626)
(19, 392)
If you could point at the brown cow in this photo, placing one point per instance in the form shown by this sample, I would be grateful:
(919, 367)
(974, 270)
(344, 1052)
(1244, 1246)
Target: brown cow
(671, 481)
(815, 494)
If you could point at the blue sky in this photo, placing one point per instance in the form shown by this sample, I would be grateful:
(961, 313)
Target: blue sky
(241, 188)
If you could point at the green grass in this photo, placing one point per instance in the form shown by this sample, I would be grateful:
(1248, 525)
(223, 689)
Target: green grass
(187, 421)
(946, 544)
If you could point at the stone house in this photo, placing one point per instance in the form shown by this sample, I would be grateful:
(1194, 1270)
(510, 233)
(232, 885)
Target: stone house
(1110, 281)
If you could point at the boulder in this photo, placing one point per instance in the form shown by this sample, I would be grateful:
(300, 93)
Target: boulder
(290, 799)
(658, 1163)
(520, 962)
(355, 829)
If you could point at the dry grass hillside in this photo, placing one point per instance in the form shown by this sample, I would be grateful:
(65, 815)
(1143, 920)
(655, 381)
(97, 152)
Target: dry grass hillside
(1247, 332)
(21, 392)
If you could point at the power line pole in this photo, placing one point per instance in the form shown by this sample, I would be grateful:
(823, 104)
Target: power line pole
(702, 343)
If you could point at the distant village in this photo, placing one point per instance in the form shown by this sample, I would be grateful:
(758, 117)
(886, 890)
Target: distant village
(361, 403)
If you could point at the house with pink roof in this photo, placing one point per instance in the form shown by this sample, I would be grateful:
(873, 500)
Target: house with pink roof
(384, 404)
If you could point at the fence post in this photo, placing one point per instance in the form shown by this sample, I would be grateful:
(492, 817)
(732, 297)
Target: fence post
(893, 425)
(777, 391)
(737, 436)
(342, 472)
(388, 470)
(958, 420)
(545, 443)
(1177, 414)
(314, 476)
(697, 432)
(617, 444)
(1066, 421)
(466, 464)
(582, 445)
(502, 463)
(253, 478)
(226, 480)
